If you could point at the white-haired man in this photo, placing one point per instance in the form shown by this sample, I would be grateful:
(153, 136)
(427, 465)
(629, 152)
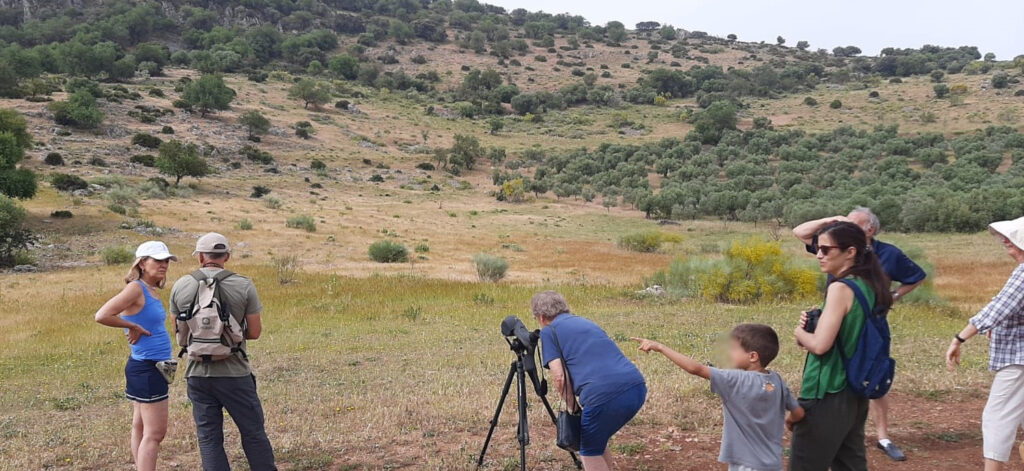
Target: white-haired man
(900, 268)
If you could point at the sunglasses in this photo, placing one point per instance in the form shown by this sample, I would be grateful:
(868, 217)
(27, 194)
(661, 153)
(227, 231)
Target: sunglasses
(825, 249)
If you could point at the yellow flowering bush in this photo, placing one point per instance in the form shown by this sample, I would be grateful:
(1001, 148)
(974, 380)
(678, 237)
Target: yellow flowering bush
(751, 271)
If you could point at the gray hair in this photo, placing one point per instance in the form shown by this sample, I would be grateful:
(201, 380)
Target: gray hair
(873, 220)
(548, 304)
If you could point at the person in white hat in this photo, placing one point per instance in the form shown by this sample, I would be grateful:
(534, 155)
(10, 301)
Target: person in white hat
(141, 314)
(1003, 320)
(215, 385)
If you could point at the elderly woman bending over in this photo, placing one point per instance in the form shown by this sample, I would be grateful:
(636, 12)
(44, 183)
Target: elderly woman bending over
(1003, 320)
(610, 388)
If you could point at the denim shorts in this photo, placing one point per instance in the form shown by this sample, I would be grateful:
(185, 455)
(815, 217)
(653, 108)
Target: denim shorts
(602, 421)
(143, 382)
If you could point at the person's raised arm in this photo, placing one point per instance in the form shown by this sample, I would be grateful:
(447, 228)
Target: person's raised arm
(837, 305)
(689, 364)
(806, 231)
(109, 313)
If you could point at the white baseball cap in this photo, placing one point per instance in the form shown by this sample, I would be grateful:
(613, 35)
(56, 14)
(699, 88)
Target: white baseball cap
(156, 250)
(1013, 230)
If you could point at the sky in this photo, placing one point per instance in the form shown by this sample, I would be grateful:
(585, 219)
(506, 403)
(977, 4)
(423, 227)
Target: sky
(992, 25)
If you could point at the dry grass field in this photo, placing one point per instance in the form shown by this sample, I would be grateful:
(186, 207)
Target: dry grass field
(364, 366)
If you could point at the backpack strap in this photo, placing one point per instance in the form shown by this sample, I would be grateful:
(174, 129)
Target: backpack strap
(858, 294)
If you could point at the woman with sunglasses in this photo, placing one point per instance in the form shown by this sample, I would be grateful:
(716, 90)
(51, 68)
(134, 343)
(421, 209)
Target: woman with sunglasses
(832, 434)
(1003, 320)
(142, 316)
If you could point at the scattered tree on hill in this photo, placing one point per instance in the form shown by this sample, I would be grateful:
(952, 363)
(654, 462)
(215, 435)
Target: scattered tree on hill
(802, 45)
(80, 110)
(254, 122)
(14, 182)
(344, 66)
(180, 160)
(780, 40)
(311, 92)
(208, 93)
(941, 90)
(464, 153)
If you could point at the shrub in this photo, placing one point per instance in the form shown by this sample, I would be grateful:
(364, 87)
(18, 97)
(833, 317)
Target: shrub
(387, 251)
(166, 130)
(647, 241)
(426, 166)
(144, 160)
(810, 101)
(342, 104)
(245, 224)
(259, 191)
(79, 110)
(287, 267)
(148, 141)
(873, 94)
(273, 203)
(54, 158)
(941, 90)
(14, 236)
(376, 178)
(836, 104)
(303, 222)
(65, 182)
(422, 247)
(98, 162)
(117, 209)
(489, 267)
(255, 155)
(62, 214)
(1000, 80)
(752, 271)
(317, 164)
(116, 256)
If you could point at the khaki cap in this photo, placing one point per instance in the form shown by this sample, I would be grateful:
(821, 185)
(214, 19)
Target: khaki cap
(212, 243)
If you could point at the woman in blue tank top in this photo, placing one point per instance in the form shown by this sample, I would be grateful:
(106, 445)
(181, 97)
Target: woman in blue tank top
(142, 316)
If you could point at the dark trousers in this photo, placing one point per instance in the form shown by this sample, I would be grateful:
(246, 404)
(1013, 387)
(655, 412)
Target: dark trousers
(210, 396)
(831, 436)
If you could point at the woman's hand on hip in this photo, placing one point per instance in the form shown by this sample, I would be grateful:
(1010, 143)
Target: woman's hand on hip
(135, 332)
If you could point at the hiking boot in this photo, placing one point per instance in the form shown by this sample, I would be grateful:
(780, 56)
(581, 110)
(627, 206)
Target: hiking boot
(892, 451)
(167, 369)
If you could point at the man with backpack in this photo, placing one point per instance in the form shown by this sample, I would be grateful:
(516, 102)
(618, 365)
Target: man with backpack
(216, 312)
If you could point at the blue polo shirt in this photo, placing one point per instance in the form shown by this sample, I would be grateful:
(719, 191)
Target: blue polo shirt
(895, 263)
(598, 368)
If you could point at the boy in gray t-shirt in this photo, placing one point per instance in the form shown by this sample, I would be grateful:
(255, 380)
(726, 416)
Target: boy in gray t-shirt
(754, 399)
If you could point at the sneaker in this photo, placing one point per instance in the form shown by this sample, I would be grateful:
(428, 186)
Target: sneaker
(892, 451)
(167, 369)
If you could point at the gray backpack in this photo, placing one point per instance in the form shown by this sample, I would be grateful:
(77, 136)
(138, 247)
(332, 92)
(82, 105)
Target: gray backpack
(207, 331)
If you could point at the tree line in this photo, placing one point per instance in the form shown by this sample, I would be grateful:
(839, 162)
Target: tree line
(924, 182)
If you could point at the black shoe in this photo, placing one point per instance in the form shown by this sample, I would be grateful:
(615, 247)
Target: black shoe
(892, 451)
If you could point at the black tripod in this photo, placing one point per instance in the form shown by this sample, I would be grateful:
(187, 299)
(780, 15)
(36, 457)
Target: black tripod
(524, 366)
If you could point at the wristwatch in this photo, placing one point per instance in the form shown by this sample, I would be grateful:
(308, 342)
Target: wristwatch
(959, 338)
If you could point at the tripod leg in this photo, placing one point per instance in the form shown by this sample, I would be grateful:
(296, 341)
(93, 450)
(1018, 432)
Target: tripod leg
(497, 413)
(554, 420)
(524, 426)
